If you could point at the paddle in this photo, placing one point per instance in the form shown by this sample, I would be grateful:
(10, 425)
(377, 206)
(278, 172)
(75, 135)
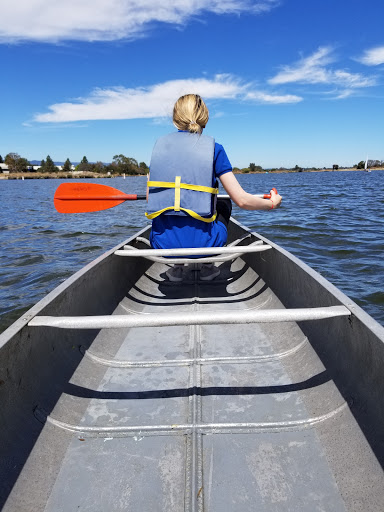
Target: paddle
(92, 197)
(89, 197)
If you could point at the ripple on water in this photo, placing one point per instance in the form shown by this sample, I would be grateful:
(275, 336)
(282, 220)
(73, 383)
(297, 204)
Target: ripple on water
(26, 260)
(376, 298)
(342, 253)
(77, 234)
(90, 248)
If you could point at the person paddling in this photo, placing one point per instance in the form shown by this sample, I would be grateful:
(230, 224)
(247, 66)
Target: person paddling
(182, 188)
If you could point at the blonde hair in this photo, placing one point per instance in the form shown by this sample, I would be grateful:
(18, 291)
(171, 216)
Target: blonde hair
(190, 113)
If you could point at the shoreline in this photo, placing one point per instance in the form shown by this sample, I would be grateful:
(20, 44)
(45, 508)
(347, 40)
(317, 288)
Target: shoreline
(61, 176)
(288, 171)
(69, 176)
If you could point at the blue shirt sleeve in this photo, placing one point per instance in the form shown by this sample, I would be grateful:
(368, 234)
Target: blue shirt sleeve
(221, 162)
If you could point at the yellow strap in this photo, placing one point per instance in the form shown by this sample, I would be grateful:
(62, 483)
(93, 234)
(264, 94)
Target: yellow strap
(190, 212)
(177, 185)
(177, 193)
(186, 186)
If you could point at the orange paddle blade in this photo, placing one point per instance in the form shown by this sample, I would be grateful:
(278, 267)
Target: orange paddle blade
(88, 197)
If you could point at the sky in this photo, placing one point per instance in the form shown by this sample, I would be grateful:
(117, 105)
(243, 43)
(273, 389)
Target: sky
(287, 82)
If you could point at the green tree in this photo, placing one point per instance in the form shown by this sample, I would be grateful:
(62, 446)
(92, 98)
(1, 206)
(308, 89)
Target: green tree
(84, 165)
(98, 167)
(49, 165)
(67, 167)
(144, 167)
(16, 163)
(252, 168)
(361, 165)
(1, 160)
(123, 164)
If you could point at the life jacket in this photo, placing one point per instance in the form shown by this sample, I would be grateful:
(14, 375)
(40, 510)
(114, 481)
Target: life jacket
(181, 171)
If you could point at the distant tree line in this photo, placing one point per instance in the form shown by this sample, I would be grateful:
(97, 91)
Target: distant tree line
(122, 164)
(370, 164)
(252, 167)
(119, 165)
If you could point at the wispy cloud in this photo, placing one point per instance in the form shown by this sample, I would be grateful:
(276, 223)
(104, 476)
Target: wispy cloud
(155, 101)
(316, 69)
(107, 20)
(308, 70)
(275, 99)
(372, 57)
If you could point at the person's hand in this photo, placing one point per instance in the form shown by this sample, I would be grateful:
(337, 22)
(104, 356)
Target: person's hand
(275, 198)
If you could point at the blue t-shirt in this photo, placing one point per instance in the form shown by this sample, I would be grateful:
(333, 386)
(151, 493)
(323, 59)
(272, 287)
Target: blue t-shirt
(173, 231)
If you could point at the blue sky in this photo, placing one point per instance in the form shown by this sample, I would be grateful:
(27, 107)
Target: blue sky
(286, 81)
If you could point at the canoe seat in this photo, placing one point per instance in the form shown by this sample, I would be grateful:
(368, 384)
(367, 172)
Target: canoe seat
(209, 254)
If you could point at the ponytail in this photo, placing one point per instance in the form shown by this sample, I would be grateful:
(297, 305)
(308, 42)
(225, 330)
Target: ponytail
(190, 113)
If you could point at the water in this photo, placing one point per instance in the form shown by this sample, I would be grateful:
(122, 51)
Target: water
(333, 221)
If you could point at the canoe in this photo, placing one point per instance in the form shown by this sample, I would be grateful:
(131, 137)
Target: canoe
(260, 390)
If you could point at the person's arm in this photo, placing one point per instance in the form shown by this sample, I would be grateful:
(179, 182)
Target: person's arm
(244, 200)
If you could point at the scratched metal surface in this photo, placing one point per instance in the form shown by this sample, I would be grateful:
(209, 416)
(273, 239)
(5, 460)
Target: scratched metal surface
(202, 418)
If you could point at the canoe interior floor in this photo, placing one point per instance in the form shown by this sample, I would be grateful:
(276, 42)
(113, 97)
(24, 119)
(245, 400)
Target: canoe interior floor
(192, 418)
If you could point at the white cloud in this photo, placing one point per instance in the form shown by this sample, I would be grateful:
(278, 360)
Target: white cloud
(373, 57)
(275, 99)
(155, 101)
(310, 69)
(340, 95)
(106, 20)
(315, 70)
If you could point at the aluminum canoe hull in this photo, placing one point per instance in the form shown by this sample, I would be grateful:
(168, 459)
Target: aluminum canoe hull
(273, 416)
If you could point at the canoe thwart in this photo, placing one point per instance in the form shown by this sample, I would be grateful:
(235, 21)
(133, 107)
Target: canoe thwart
(194, 318)
(238, 241)
(213, 253)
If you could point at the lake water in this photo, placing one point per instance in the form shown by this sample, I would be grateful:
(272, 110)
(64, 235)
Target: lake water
(333, 221)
